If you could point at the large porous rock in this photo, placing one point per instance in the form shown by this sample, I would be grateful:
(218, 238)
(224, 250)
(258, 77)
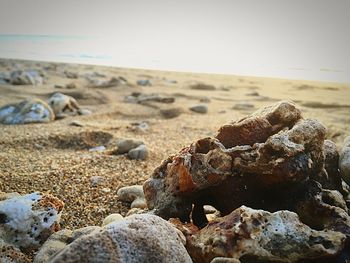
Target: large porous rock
(252, 161)
(344, 160)
(27, 111)
(30, 77)
(260, 236)
(27, 221)
(138, 238)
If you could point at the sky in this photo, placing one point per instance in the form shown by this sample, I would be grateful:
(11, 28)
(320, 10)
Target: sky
(305, 39)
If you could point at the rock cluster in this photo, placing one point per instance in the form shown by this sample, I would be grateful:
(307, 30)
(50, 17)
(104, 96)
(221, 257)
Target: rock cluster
(135, 149)
(273, 160)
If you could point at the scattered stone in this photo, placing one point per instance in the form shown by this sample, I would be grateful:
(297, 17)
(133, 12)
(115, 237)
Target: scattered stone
(103, 83)
(106, 190)
(199, 108)
(4, 78)
(140, 126)
(62, 104)
(76, 123)
(59, 87)
(344, 160)
(28, 220)
(138, 238)
(112, 218)
(202, 86)
(208, 209)
(144, 82)
(125, 145)
(171, 112)
(71, 74)
(205, 100)
(137, 97)
(31, 77)
(138, 153)
(253, 94)
(96, 180)
(134, 195)
(27, 111)
(100, 148)
(243, 106)
(71, 85)
(262, 235)
(84, 111)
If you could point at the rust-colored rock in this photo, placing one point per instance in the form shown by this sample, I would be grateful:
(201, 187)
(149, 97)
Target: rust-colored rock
(260, 236)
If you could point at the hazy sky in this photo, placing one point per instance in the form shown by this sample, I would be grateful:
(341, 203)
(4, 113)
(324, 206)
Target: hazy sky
(309, 38)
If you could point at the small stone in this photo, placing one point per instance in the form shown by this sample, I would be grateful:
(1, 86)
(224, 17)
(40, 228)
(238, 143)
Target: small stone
(96, 180)
(200, 108)
(112, 218)
(171, 113)
(134, 211)
(208, 209)
(71, 85)
(84, 112)
(243, 106)
(106, 190)
(31, 77)
(202, 86)
(97, 149)
(133, 194)
(71, 75)
(62, 104)
(144, 82)
(125, 145)
(76, 123)
(205, 100)
(138, 153)
(253, 94)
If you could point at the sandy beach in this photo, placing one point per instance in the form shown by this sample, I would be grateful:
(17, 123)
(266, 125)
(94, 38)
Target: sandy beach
(59, 157)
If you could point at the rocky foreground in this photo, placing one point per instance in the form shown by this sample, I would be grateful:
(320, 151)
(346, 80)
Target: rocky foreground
(266, 188)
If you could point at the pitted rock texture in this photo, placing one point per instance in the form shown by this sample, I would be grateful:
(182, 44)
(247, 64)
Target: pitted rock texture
(249, 162)
(11, 254)
(27, 111)
(138, 238)
(27, 221)
(260, 236)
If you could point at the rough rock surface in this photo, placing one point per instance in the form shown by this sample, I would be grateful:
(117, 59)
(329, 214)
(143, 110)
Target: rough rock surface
(27, 111)
(112, 218)
(260, 236)
(27, 221)
(134, 195)
(138, 238)
(11, 254)
(30, 77)
(344, 160)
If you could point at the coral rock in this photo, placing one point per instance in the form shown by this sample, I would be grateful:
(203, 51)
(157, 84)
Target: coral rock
(27, 221)
(260, 236)
(138, 238)
(27, 111)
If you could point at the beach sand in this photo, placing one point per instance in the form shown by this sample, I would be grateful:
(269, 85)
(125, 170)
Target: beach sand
(55, 158)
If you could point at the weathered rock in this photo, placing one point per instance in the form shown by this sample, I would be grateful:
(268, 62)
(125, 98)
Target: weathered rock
(62, 104)
(138, 153)
(141, 98)
(30, 77)
(104, 83)
(27, 111)
(134, 195)
(11, 254)
(260, 236)
(251, 161)
(344, 160)
(199, 108)
(125, 145)
(27, 221)
(112, 218)
(138, 238)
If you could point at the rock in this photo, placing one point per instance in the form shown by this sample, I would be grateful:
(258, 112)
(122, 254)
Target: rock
(27, 111)
(253, 94)
(76, 123)
(62, 104)
(84, 112)
(202, 86)
(141, 98)
(134, 195)
(71, 74)
(205, 100)
(71, 85)
(96, 180)
(344, 160)
(112, 218)
(100, 148)
(11, 254)
(138, 238)
(171, 112)
(144, 82)
(103, 83)
(31, 77)
(134, 211)
(262, 236)
(4, 78)
(201, 108)
(138, 153)
(125, 145)
(28, 220)
(140, 126)
(259, 161)
(243, 106)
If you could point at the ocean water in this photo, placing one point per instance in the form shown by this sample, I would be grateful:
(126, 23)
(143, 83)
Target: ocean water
(114, 52)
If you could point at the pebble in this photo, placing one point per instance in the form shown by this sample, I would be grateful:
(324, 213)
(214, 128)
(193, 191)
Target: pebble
(344, 160)
(133, 194)
(96, 180)
(171, 113)
(138, 153)
(125, 145)
(144, 82)
(201, 108)
(84, 112)
(112, 218)
(106, 190)
(205, 100)
(243, 106)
